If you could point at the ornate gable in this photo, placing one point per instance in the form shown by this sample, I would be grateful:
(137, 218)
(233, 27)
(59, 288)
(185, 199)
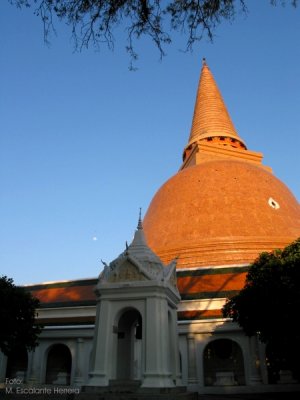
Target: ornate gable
(126, 271)
(138, 263)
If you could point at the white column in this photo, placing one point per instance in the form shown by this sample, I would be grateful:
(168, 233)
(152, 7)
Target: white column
(32, 378)
(192, 364)
(102, 349)
(79, 358)
(200, 348)
(263, 363)
(255, 370)
(175, 350)
(157, 373)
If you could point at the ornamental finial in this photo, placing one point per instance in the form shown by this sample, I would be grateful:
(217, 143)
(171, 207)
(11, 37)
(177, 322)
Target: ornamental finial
(140, 225)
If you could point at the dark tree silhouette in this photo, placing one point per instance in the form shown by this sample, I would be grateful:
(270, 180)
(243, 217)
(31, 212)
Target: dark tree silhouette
(269, 304)
(17, 315)
(94, 21)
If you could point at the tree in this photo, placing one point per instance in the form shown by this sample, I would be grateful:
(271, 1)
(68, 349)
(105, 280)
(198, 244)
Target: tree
(268, 305)
(95, 20)
(17, 315)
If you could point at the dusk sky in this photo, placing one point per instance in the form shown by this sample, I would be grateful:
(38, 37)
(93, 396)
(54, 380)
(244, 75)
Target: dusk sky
(85, 142)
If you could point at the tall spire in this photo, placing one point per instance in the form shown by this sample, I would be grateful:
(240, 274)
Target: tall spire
(140, 224)
(213, 135)
(211, 118)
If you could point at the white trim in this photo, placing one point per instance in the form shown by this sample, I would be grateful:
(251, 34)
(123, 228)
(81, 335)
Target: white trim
(203, 304)
(62, 281)
(66, 308)
(204, 300)
(212, 267)
(197, 321)
(68, 327)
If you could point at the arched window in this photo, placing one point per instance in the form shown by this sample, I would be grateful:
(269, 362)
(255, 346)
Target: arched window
(223, 363)
(59, 364)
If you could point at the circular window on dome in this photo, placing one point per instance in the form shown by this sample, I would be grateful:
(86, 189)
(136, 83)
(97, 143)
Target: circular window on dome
(273, 203)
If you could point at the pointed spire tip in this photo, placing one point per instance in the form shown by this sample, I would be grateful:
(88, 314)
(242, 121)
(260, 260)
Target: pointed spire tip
(140, 225)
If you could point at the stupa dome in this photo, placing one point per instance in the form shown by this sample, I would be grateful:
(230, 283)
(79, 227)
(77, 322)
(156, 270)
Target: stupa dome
(221, 212)
(224, 207)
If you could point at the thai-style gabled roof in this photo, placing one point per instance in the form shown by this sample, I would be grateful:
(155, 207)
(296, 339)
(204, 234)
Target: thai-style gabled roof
(138, 262)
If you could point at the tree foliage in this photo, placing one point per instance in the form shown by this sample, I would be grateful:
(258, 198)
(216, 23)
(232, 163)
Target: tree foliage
(94, 21)
(269, 303)
(17, 315)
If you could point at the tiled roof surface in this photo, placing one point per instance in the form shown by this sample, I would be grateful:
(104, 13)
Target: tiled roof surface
(65, 293)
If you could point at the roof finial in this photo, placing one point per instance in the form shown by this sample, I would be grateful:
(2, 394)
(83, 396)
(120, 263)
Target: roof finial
(140, 225)
(204, 61)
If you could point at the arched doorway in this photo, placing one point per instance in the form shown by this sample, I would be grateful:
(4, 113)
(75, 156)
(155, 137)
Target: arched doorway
(59, 364)
(223, 363)
(129, 347)
(282, 361)
(17, 363)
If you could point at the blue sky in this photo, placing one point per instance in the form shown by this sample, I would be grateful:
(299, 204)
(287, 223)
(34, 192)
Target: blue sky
(84, 142)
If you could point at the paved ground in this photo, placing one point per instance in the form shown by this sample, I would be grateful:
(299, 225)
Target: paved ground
(245, 396)
(252, 396)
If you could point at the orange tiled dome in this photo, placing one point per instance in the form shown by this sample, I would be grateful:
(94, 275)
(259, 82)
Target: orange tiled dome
(221, 212)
